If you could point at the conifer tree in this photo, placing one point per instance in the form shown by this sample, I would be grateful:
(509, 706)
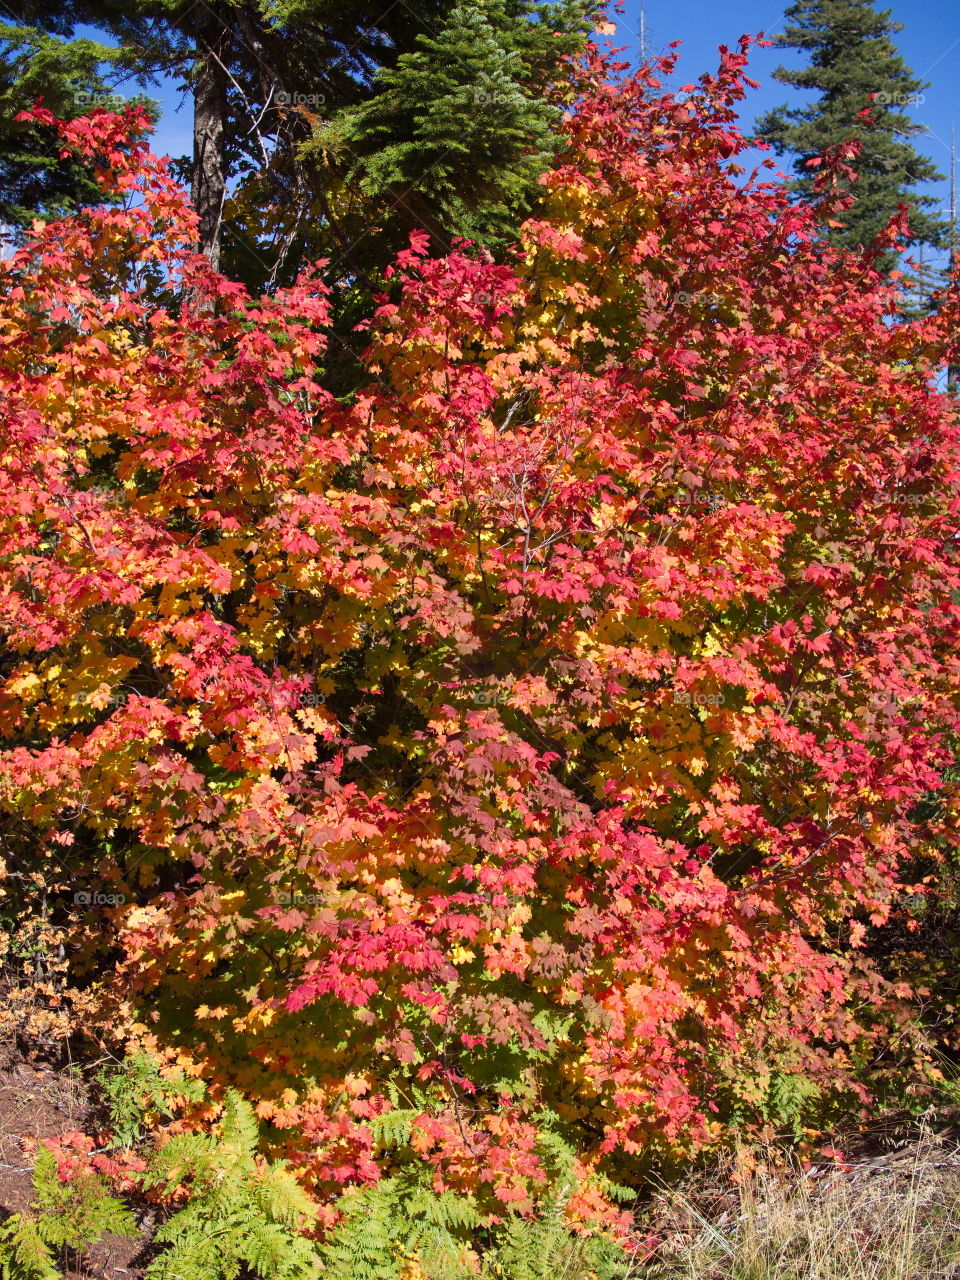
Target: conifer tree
(854, 65)
(316, 122)
(460, 129)
(70, 76)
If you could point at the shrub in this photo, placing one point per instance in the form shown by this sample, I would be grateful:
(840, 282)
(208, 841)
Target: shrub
(526, 741)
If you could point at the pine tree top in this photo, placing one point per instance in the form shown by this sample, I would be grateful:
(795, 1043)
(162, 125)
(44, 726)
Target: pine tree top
(853, 65)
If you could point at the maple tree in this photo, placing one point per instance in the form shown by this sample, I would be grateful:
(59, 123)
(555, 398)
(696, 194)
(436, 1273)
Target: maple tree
(520, 748)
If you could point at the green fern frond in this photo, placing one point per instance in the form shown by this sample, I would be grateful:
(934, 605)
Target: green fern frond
(136, 1088)
(243, 1214)
(239, 1129)
(74, 1214)
(185, 1154)
(403, 1218)
(65, 1215)
(191, 1258)
(544, 1247)
(363, 1246)
(393, 1128)
(444, 1209)
(281, 1197)
(23, 1254)
(272, 1253)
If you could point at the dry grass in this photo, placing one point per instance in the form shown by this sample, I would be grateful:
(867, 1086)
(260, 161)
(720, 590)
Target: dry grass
(886, 1220)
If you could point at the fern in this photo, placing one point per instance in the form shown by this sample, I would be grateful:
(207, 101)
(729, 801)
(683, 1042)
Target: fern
(67, 1216)
(530, 1250)
(438, 1228)
(789, 1100)
(402, 1221)
(393, 1128)
(72, 1215)
(23, 1254)
(572, 1257)
(543, 1248)
(242, 1215)
(363, 1247)
(401, 1218)
(136, 1088)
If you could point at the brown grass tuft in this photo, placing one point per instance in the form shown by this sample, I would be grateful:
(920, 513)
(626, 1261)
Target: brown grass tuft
(890, 1219)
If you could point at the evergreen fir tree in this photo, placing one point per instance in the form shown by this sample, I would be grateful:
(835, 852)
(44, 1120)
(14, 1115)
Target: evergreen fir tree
(71, 77)
(457, 133)
(854, 64)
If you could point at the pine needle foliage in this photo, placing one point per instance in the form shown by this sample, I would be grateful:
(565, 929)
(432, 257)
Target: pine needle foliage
(461, 128)
(44, 56)
(854, 65)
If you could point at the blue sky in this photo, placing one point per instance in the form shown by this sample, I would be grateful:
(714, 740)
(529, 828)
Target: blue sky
(930, 43)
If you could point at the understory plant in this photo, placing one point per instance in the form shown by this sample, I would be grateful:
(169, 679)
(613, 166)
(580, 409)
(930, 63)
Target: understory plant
(63, 1221)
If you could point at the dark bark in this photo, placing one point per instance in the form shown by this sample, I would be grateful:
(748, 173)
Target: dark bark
(209, 118)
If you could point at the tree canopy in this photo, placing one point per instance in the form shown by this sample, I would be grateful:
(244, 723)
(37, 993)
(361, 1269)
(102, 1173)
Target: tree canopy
(319, 125)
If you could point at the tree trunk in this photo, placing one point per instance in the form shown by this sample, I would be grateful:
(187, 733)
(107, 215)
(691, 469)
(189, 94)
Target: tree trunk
(209, 115)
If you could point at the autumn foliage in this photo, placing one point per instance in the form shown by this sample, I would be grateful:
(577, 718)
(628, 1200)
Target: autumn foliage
(525, 742)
